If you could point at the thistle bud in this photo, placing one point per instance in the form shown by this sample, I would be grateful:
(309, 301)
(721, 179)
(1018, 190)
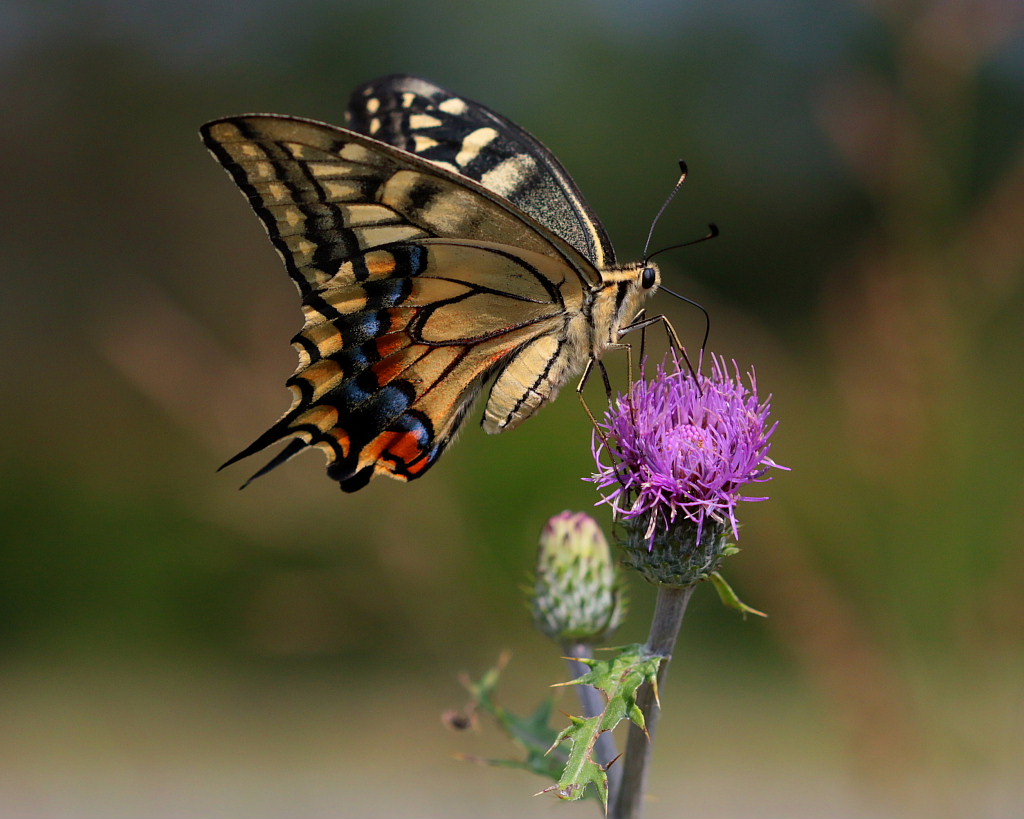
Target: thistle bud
(576, 596)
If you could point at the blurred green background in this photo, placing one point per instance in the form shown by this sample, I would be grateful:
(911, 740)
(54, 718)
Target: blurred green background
(172, 647)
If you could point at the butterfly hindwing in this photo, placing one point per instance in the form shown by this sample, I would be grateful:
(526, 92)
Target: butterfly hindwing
(389, 366)
(480, 144)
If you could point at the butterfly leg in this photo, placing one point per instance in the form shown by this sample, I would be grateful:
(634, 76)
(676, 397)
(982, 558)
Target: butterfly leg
(643, 338)
(643, 323)
(673, 338)
(587, 372)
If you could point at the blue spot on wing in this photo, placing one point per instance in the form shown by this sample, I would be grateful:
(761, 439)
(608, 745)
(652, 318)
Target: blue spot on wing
(359, 328)
(389, 402)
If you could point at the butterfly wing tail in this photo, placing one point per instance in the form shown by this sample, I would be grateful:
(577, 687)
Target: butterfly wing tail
(383, 432)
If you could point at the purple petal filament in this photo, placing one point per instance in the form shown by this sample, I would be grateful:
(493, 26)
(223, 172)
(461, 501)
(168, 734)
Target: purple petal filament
(678, 451)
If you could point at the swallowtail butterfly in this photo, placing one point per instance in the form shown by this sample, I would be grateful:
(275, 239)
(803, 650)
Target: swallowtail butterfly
(435, 245)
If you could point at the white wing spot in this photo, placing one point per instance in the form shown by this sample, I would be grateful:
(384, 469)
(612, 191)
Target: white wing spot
(299, 151)
(277, 192)
(262, 170)
(329, 169)
(354, 152)
(341, 190)
(407, 99)
(473, 144)
(453, 105)
(360, 214)
(422, 143)
(374, 235)
(423, 121)
(373, 104)
(302, 247)
(508, 175)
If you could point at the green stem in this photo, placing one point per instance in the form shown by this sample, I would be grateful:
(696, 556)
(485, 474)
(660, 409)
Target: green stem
(627, 802)
(593, 702)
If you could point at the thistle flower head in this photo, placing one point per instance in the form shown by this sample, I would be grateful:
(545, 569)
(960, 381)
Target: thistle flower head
(576, 593)
(675, 454)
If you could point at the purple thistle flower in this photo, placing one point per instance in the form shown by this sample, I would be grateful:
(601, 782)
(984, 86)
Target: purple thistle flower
(681, 451)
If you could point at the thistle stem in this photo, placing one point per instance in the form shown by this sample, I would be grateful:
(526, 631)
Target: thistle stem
(628, 797)
(593, 703)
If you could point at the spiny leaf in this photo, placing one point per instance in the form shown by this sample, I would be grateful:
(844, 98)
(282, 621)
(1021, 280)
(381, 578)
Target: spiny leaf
(532, 733)
(618, 678)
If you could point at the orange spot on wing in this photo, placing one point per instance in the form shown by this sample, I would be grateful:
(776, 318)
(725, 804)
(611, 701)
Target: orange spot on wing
(391, 343)
(406, 447)
(399, 317)
(394, 365)
(371, 453)
(415, 469)
(380, 265)
(394, 450)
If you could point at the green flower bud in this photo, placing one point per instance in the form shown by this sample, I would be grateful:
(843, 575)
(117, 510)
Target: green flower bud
(577, 595)
(682, 554)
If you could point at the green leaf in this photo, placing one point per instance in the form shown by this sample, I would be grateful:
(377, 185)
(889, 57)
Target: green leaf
(618, 678)
(531, 733)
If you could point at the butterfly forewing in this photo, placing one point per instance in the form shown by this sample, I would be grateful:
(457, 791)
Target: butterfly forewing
(480, 144)
(326, 195)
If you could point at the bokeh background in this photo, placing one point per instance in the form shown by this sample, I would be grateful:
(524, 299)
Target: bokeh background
(170, 646)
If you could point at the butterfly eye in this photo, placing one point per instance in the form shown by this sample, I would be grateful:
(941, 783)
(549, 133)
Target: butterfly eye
(648, 278)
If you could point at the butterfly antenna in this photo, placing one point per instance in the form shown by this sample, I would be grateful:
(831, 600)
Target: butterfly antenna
(712, 233)
(668, 200)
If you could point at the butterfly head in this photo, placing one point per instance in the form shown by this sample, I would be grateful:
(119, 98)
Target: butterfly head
(622, 293)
